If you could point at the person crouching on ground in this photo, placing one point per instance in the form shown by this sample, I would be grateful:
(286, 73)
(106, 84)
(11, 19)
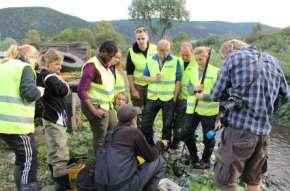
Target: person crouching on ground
(118, 168)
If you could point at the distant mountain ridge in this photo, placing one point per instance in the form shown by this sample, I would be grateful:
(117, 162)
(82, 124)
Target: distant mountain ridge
(15, 22)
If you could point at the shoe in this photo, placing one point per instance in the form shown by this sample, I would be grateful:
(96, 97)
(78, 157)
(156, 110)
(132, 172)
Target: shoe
(202, 165)
(62, 183)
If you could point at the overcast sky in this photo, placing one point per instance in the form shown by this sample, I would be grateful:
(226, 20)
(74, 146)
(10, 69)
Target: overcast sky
(270, 12)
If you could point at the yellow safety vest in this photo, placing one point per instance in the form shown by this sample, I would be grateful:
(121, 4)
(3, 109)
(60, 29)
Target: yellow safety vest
(185, 77)
(205, 108)
(139, 61)
(102, 94)
(16, 115)
(163, 90)
(120, 84)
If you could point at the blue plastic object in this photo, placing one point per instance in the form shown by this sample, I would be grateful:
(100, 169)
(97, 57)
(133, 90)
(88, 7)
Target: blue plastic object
(211, 134)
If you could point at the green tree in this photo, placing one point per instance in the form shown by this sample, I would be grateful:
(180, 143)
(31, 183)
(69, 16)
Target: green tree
(180, 37)
(106, 31)
(86, 35)
(255, 33)
(165, 12)
(65, 35)
(5, 44)
(33, 36)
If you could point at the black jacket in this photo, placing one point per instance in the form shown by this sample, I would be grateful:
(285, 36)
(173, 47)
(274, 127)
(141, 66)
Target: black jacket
(116, 161)
(53, 100)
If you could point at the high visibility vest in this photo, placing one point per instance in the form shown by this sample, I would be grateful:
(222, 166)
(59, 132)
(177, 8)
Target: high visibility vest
(185, 77)
(139, 61)
(163, 90)
(120, 84)
(205, 108)
(102, 94)
(16, 115)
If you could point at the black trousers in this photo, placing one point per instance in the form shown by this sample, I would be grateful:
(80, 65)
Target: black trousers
(24, 147)
(188, 134)
(179, 118)
(150, 111)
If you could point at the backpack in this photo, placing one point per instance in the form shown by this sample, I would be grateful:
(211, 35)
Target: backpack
(115, 166)
(85, 179)
(88, 180)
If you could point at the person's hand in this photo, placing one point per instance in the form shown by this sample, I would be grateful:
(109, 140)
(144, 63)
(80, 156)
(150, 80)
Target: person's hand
(199, 88)
(41, 90)
(61, 78)
(199, 96)
(135, 94)
(174, 99)
(218, 125)
(165, 143)
(99, 113)
(157, 78)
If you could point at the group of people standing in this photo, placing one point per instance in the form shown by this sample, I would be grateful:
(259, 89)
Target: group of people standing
(157, 80)
(186, 88)
(22, 86)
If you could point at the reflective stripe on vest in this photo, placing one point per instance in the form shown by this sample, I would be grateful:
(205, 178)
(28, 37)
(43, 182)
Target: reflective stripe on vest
(205, 108)
(16, 115)
(120, 84)
(163, 90)
(139, 61)
(102, 94)
(185, 77)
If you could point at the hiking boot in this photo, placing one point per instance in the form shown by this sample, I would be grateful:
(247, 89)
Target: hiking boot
(202, 165)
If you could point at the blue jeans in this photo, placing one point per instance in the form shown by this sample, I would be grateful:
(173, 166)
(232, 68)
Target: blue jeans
(151, 109)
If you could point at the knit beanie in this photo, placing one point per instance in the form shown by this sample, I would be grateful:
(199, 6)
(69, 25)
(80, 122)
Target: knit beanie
(126, 113)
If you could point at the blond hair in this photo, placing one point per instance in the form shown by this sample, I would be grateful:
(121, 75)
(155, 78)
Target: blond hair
(200, 50)
(50, 56)
(232, 45)
(124, 93)
(15, 52)
(140, 30)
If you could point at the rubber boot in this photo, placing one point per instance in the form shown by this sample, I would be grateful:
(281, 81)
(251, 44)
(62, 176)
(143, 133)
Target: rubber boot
(62, 183)
(17, 176)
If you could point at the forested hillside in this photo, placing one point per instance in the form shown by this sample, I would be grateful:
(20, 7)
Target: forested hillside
(16, 22)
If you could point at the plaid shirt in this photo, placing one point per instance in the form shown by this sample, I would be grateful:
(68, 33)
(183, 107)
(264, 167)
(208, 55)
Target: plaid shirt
(258, 87)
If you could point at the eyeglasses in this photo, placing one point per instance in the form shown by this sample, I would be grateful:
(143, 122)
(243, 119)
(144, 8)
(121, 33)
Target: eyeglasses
(140, 30)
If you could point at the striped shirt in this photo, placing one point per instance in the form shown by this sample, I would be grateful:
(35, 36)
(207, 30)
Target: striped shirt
(258, 87)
